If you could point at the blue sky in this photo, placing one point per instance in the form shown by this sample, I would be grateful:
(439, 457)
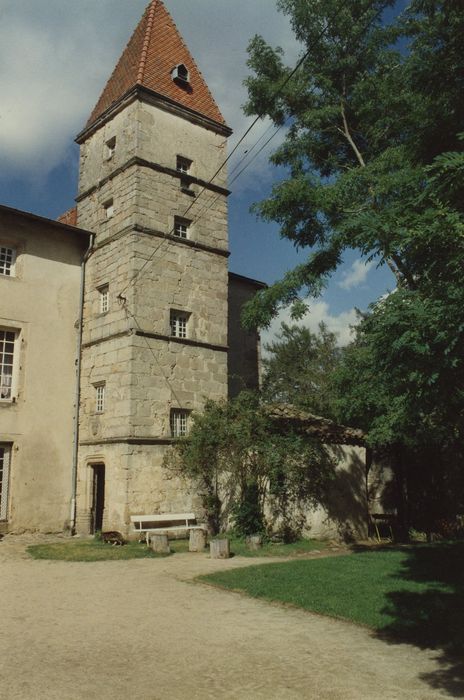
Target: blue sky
(55, 57)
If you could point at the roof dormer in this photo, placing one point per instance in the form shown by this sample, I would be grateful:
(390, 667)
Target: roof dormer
(180, 74)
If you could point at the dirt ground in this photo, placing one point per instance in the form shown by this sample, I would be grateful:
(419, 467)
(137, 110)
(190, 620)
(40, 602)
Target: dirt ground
(141, 630)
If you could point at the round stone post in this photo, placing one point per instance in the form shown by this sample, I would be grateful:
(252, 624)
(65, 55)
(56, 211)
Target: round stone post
(254, 542)
(160, 544)
(197, 540)
(219, 549)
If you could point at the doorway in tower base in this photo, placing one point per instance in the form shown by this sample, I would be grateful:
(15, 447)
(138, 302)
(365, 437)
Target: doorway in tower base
(97, 502)
(5, 453)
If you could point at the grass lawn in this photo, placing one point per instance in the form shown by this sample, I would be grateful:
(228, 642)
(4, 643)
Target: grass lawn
(413, 594)
(90, 550)
(94, 550)
(238, 547)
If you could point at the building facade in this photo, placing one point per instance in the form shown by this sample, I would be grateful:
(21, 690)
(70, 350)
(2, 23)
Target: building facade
(153, 341)
(40, 281)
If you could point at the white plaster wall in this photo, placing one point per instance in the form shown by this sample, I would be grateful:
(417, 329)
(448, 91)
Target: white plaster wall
(42, 302)
(344, 513)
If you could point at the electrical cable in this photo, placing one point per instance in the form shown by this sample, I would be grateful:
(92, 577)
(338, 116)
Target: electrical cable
(226, 160)
(213, 200)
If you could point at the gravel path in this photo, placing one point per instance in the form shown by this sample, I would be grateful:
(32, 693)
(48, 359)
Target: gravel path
(140, 630)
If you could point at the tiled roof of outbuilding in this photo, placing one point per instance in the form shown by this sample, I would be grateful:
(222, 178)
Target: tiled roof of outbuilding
(154, 49)
(327, 431)
(69, 217)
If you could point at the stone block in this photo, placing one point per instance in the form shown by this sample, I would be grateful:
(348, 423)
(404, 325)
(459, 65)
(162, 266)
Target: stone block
(160, 543)
(197, 540)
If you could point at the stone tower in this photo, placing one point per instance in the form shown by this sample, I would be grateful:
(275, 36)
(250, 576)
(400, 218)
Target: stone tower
(154, 343)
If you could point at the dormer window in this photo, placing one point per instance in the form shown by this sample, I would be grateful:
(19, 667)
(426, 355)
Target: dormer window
(180, 74)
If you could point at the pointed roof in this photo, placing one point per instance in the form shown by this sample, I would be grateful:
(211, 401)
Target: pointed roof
(154, 49)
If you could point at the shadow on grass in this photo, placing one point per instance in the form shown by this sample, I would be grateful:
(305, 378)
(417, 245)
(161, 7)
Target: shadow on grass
(434, 617)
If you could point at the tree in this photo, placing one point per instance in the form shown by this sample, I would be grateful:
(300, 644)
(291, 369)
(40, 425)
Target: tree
(243, 468)
(402, 380)
(299, 366)
(375, 162)
(370, 114)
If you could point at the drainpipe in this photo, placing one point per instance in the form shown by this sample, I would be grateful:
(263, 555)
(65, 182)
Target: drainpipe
(78, 387)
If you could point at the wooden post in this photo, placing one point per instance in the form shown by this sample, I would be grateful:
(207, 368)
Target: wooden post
(254, 542)
(197, 540)
(160, 544)
(219, 549)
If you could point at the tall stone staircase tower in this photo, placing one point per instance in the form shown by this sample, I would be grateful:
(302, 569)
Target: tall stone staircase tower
(155, 300)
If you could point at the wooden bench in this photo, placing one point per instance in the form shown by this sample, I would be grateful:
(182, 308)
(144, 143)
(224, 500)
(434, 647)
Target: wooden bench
(166, 522)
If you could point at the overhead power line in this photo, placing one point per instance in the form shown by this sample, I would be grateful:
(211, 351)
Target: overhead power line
(246, 155)
(224, 163)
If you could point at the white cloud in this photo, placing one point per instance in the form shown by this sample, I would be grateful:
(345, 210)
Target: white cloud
(318, 311)
(56, 55)
(356, 274)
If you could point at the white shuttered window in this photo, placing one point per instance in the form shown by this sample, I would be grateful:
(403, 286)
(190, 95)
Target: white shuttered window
(7, 357)
(7, 261)
(179, 422)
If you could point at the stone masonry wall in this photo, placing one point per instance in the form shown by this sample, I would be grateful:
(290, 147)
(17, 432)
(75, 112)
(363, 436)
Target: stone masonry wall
(94, 164)
(161, 136)
(135, 483)
(208, 213)
(146, 372)
(184, 279)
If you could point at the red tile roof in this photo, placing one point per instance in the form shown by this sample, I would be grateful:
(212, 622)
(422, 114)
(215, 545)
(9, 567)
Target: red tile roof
(154, 49)
(69, 217)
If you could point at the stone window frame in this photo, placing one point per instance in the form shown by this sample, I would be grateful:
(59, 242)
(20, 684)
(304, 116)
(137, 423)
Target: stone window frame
(108, 209)
(179, 323)
(100, 397)
(5, 468)
(182, 227)
(179, 422)
(9, 368)
(183, 165)
(104, 298)
(110, 148)
(8, 256)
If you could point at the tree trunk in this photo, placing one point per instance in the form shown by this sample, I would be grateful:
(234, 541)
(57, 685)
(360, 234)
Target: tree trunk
(367, 469)
(160, 544)
(401, 494)
(219, 549)
(197, 541)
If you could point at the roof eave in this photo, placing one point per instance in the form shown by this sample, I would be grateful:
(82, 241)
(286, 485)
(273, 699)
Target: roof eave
(150, 96)
(248, 280)
(43, 220)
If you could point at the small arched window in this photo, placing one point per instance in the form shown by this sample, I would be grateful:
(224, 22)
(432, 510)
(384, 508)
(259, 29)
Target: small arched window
(180, 74)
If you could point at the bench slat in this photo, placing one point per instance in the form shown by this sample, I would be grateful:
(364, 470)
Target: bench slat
(165, 517)
(174, 528)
